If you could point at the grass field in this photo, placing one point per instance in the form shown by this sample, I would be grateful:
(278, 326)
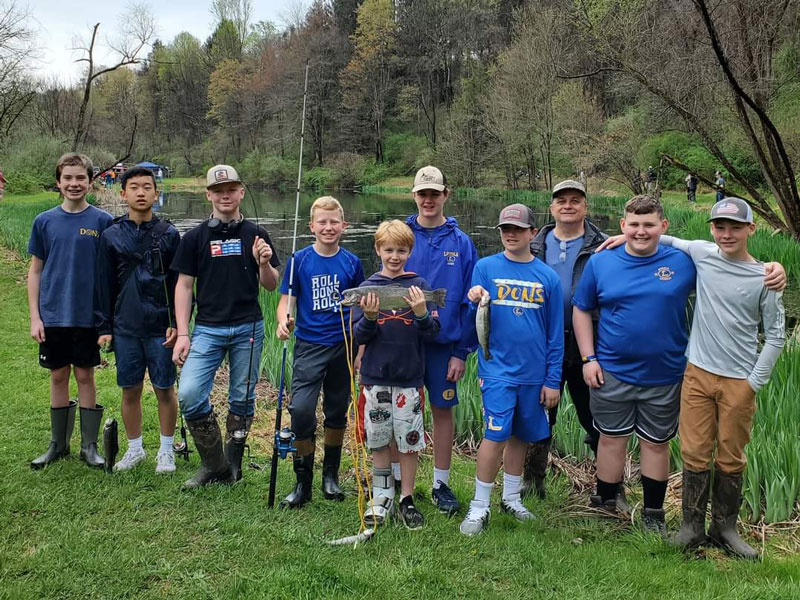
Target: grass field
(71, 532)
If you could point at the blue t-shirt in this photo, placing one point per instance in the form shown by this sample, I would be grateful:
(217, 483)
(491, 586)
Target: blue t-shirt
(526, 321)
(67, 244)
(562, 261)
(642, 332)
(318, 282)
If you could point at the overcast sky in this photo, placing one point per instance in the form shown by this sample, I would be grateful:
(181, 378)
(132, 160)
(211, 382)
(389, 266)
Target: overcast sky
(59, 21)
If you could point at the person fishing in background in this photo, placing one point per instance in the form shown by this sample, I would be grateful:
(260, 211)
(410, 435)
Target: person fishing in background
(321, 272)
(134, 312)
(229, 257)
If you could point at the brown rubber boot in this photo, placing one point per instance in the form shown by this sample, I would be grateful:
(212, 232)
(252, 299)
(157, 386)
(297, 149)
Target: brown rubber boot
(535, 469)
(694, 501)
(62, 421)
(726, 499)
(214, 466)
(237, 429)
(334, 438)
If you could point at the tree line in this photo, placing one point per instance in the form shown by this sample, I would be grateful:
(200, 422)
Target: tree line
(497, 92)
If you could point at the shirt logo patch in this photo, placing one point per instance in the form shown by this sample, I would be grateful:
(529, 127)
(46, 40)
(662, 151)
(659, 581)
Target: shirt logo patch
(226, 247)
(664, 273)
(91, 232)
(451, 257)
(518, 293)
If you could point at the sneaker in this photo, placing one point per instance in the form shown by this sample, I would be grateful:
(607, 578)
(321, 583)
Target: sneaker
(130, 460)
(412, 518)
(165, 462)
(445, 500)
(476, 520)
(653, 521)
(516, 509)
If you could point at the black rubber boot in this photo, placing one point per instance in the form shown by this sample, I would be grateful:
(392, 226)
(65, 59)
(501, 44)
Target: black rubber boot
(304, 471)
(334, 438)
(214, 466)
(694, 502)
(62, 421)
(237, 429)
(726, 498)
(535, 469)
(91, 418)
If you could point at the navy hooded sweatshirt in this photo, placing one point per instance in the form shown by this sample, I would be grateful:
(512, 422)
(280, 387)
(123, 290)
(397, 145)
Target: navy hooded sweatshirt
(395, 349)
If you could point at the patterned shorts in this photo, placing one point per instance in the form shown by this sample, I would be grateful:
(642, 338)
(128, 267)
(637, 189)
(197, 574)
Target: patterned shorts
(387, 412)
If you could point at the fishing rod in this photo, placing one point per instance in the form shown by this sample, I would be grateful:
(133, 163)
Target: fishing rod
(284, 437)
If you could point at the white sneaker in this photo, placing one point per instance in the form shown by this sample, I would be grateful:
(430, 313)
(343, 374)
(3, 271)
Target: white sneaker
(477, 518)
(130, 460)
(165, 462)
(516, 509)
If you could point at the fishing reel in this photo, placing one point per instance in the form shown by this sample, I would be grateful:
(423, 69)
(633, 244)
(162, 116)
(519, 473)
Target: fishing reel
(284, 442)
(181, 448)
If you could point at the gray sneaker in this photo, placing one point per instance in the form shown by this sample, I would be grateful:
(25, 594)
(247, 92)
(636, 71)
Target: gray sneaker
(516, 509)
(476, 520)
(165, 462)
(130, 460)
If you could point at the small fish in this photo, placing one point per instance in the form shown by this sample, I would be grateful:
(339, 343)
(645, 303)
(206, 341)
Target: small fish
(110, 443)
(390, 296)
(482, 324)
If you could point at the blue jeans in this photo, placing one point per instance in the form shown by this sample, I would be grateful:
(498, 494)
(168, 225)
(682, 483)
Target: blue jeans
(209, 347)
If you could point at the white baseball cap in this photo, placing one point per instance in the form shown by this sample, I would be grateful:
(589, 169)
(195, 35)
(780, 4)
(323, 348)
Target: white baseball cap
(429, 178)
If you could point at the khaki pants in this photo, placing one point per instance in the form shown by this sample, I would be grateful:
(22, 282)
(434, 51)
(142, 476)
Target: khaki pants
(715, 409)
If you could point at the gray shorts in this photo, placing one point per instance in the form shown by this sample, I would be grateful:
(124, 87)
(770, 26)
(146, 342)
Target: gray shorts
(621, 408)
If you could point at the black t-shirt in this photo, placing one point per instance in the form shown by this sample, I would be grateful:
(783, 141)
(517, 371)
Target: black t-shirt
(226, 272)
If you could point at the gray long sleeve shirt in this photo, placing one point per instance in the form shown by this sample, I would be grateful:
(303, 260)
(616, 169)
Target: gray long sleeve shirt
(731, 302)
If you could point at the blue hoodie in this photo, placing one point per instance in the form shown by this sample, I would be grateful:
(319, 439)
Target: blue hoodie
(445, 256)
(395, 352)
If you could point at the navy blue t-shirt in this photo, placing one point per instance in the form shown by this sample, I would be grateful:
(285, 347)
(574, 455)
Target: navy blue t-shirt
(318, 282)
(67, 244)
(643, 331)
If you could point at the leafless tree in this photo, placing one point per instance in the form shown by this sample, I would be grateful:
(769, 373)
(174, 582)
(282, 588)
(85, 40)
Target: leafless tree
(16, 49)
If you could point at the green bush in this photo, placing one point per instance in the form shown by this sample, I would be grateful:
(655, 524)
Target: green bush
(401, 151)
(268, 170)
(318, 178)
(29, 165)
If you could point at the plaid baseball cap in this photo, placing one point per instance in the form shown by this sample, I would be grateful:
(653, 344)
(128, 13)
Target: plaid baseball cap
(429, 178)
(733, 209)
(569, 184)
(221, 174)
(516, 214)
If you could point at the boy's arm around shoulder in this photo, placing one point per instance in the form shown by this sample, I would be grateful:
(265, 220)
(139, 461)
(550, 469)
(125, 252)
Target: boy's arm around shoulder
(773, 321)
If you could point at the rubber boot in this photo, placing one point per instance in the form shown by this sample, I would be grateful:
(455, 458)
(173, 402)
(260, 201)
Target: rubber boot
(91, 418)
(334, 438)
(237, 429)
(726, 498)
(62, 421)
(535, 469)
(621, 501)
(304, 471)
(694, 502)
(214, 467)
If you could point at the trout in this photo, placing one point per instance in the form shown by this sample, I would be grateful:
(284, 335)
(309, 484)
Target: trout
(390, 296)
(482, 324)
(110, 443)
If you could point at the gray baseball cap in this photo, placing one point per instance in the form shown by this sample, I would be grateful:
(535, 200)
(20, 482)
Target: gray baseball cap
(516, 214)
(569, 184)
(221, 174)
(732, 209)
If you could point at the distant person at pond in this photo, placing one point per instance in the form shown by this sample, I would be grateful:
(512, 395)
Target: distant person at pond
(445, 256)
(719, 181)
(725, 371)
(691, 188)
(322, 271)
(134, 312)
(108, 179)
(228, 257)
(159, 175)
(61, 278)
(566, 247)
(3, 183)
(520, 381)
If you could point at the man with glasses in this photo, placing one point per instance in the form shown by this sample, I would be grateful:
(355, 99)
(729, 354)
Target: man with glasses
(566, 246)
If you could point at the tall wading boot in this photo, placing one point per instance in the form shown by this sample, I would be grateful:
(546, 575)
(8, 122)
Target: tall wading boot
(726, 498)
(334, 438)
(214, 467)
(304, 471)
(62, 421)
(694, 501)
(237, 429)
(91, 418)
(535, 469)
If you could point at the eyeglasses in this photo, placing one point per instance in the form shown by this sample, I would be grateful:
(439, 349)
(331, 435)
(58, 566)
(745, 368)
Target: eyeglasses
(562, 256)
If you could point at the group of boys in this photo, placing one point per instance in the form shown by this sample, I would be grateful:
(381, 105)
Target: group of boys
(624, 372)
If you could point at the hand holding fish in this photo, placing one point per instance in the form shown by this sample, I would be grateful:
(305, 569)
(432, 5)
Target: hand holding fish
(549, 397)
(476, 292)
(370, 305)
(416, 300)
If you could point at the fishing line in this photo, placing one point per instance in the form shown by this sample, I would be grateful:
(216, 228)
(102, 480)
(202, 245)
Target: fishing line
(280, 446)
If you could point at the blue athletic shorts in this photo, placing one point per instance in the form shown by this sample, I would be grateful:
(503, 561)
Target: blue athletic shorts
(134, 355)
(511, 409)
(441, 393)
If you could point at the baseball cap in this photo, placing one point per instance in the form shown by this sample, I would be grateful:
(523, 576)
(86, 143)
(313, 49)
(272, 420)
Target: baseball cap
(569, 184)
(221, 174)
(733, 209)
(429, 178)
(516, 214)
